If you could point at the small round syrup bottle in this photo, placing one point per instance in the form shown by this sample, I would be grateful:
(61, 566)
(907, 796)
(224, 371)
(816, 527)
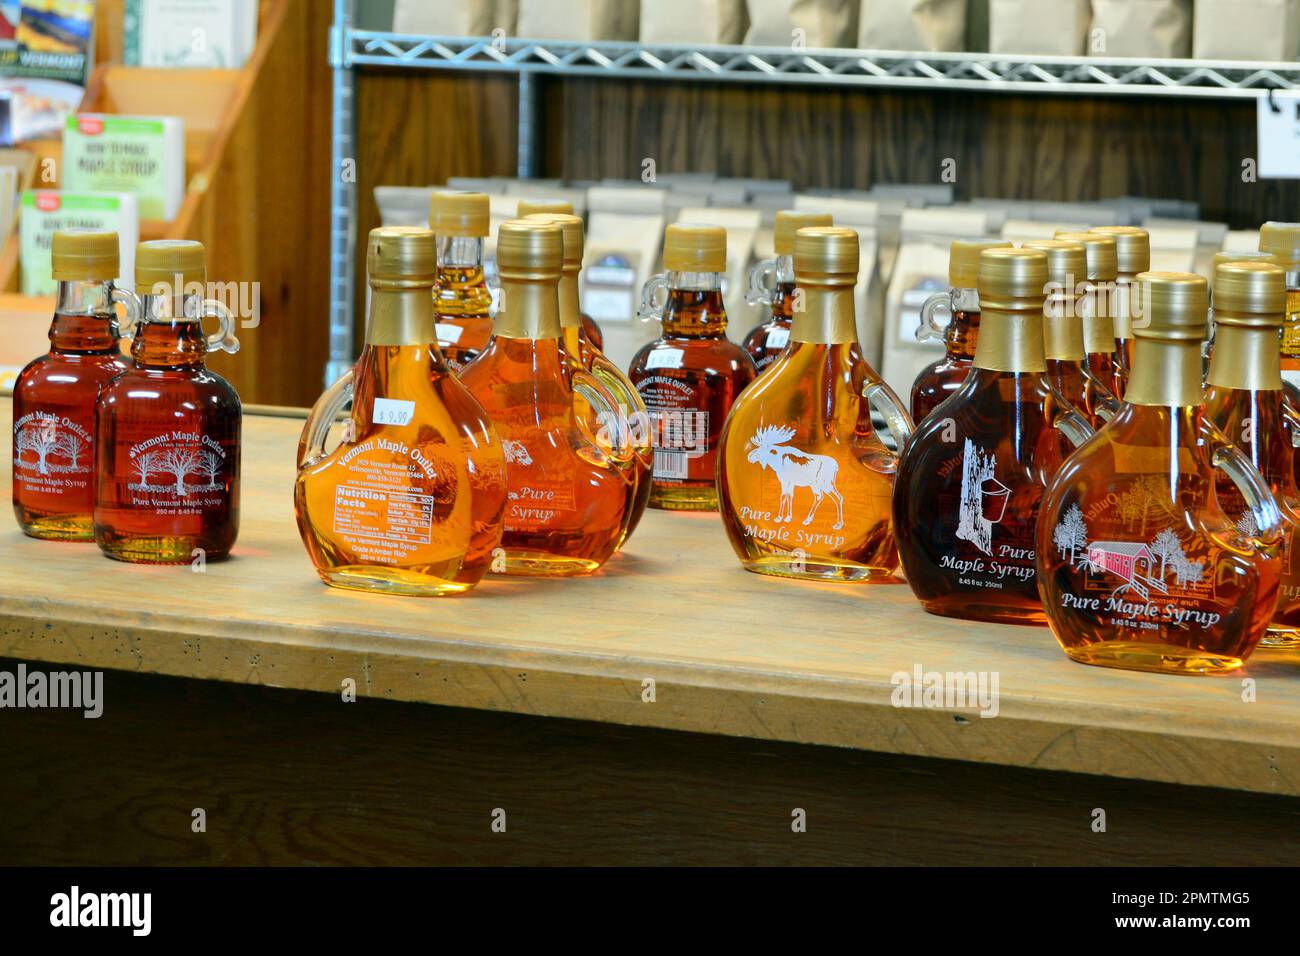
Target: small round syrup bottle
(461, 297)
(590, 330)
(771, 283)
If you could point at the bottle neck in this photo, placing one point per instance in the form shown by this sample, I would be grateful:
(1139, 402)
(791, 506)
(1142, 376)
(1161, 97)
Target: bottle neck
(1062, 329)
(461, 287)
(1125, 285)
(827, 316)
(1096, 308)
(1246, 357)
(961, 338)
(85, 319)
(1166, 372)
(401, 315)
(570, 302)
(529, 309)
(170, 332)
(695, 307)
(783, 292)
(1011, 341)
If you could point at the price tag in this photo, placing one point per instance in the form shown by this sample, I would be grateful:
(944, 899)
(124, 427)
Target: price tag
(1278, 125)
(447, 333)
(778, 338)
(664, 358)
(393, 411)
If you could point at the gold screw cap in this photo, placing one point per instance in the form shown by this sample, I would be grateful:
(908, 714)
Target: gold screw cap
(1012, 279)
(1132, 247)
(169, 265)
(530, 249)
(533, 207)
(964, 260)
(790, 221)
(406, 255)
(694, 247)
(1171, 306)
(1067, 262)
(1249, 293)
(1100, 250)
(572, 240)
(460, 214)
(1283, 240)
(84, 254)
(825, 255)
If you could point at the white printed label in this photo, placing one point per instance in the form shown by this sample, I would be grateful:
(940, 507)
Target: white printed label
(393, 411)
(664, 358)
(1278, 127)
(778, 338)
(447, 333)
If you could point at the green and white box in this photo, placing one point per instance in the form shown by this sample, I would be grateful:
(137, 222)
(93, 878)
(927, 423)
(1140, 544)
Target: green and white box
(189, 33)
(142, 155)
(43, 212)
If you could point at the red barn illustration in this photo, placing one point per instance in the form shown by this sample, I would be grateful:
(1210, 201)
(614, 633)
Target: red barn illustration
(1129, 560)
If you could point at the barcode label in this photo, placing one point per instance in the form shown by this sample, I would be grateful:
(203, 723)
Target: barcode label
(671, 464)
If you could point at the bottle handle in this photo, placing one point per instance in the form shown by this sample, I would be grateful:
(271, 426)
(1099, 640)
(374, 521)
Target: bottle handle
(1065, 418)
(1264, 512)
(1099, 395)
(650, 308)
(134, 309)
(615, 441)
(224, 338)
(1291, 418)
(758, 291)
(884, 400)
(638, 421)
(928, 328)
(311, 446)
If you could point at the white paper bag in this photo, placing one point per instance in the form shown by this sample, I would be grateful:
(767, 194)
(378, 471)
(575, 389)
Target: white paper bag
(457, 18)
(693, 22)
(1152, 29)
(814, 23)
(1247, 30)
(1038, 27)
(931, 25)
(579, 19)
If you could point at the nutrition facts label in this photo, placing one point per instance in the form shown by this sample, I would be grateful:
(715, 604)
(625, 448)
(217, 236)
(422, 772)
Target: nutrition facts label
(392, 516)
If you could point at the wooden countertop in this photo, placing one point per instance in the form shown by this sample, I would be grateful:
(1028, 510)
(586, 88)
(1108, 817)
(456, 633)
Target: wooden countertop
(729, 652)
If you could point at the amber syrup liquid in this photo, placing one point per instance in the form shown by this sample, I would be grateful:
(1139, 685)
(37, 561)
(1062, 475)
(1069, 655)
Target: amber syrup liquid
(767, 340)
(940, 379)
(461, 304)
(54, 427)
(168, 457)
(689, 378)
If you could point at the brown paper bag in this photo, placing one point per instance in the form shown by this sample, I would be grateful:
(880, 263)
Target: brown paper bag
(693, 22)
(1154, 29)
(1038, 27)
(579, 19)
(931, 25)
(816, 23)
(1247, 30)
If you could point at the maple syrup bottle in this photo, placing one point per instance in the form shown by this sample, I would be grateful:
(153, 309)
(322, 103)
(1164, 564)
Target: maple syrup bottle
(411, 501)
(462, 299)
(167, 429)
(1219, 259)
(1133, 257)
(633, 420)
(804, 481)
(1138, 564)
(54, 396)
(591, 332)
(569, 489)
(938, 380)
(1097, 304)
(691, 375)
(1067, 359)
(971, 479)
(768, 339)
(1245, 399)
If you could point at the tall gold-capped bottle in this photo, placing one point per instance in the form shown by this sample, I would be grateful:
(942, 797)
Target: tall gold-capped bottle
(1097, 305)
(462, 299)
(804, 481)
(591, 333)
(411, 500)
(1138, 564)
(971, 479)
(584, 351)
(941, 378)
(1245, 399)
(691, 375)
(771, 283)
(1133, 257)
(1219, 259)
(569, 489)
(1063, 344)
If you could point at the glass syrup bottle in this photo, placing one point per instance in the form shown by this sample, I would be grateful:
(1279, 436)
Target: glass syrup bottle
(1138, 564)
(804, 481)
(1282, 239)
(167, 428)
(1244, 398)
(633, 418)
(938, 380)
(411, 500)
(462, 299)
(54, 395)
(1063, 347)
(569, 489)
(771, 283)
(1219, 259)
(1097, 305)
(1133, 257)
(591, 332)
(691, 375)
(971, 479)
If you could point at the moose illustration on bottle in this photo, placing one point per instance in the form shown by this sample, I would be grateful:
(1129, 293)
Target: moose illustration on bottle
(804, 480)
